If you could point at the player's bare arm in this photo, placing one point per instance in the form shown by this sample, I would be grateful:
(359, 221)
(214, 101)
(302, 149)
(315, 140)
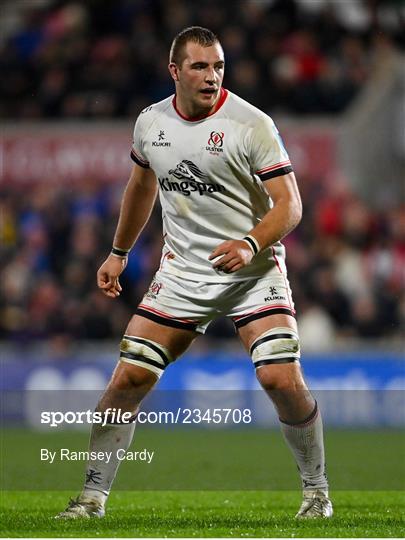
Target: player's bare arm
(277, 223)
(285, 214)
(136, 206)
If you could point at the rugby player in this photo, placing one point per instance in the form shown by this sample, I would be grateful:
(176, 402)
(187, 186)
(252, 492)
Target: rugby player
(228, 195)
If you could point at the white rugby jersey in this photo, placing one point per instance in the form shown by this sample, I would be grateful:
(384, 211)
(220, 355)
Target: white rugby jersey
(210, 172)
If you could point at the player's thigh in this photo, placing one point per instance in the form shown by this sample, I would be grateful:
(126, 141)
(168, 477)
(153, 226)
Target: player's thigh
(139, 376)
(176, 340)
(251, 331)
(286, 374)
(166, 321)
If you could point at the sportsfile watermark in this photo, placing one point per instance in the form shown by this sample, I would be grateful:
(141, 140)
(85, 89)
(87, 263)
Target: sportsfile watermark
(198, 440)
(117, 416)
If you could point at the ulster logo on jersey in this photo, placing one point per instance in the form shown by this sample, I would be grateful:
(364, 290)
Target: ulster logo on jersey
(154, 289)
(216, 139)
(193, 179)
(215, 142)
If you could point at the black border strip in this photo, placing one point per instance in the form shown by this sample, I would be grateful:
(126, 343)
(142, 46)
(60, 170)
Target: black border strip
(151, 346)
(286, 360)
(166, 322)
(138, 161)
(276, 172)
(269, 338)
(119, 252)
(261, 314)
(141, 358)
(298, 424)
(252, 244)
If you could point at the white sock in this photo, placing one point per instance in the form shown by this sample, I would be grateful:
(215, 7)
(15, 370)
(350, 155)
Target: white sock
(306, 442)
(100, 473)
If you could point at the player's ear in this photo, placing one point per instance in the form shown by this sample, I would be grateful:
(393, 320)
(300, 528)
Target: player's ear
(174, 71)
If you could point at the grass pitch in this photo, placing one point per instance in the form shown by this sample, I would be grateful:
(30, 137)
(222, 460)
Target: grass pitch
(207, 460)
(205, 514)
(207, 483)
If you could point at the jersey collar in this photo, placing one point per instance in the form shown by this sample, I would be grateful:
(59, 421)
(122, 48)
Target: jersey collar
(222, 97)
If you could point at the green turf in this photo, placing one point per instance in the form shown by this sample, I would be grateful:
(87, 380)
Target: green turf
(204, 514)
(207, 483)
(250, 459)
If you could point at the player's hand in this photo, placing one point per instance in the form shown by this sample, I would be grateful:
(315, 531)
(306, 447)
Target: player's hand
(108, 273)
(235, 255)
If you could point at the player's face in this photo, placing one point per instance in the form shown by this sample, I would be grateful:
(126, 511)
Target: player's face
(199, 79)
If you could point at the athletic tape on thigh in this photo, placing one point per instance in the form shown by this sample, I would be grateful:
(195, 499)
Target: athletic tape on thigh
(145, 353)
(276, 346)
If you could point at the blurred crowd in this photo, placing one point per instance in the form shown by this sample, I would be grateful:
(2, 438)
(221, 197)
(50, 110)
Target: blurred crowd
(97, 59)
(346, 266)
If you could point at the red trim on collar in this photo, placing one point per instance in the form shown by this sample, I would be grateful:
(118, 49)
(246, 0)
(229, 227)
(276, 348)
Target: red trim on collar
(222, 97)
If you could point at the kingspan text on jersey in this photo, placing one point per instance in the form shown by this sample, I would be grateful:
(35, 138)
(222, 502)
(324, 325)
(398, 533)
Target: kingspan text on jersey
(186, 187)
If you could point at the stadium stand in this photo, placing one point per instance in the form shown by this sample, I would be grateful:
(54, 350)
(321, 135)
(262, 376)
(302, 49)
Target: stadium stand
(66, 59)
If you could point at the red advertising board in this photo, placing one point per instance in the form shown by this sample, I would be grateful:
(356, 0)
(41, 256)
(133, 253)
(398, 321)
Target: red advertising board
(68, 153)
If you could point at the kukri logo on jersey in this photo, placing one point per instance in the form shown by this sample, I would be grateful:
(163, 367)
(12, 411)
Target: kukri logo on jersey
(192, 180)
(161, 140)
(274, 295)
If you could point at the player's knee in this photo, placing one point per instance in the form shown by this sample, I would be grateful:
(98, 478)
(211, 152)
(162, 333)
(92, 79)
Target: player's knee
(271, 351)
(128, 377)
(278, 378)
(143, 359)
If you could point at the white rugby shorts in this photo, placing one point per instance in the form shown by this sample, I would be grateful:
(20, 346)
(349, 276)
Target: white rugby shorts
(192, 305)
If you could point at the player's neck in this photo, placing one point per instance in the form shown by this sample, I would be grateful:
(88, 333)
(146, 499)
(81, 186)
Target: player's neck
(189, 111)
